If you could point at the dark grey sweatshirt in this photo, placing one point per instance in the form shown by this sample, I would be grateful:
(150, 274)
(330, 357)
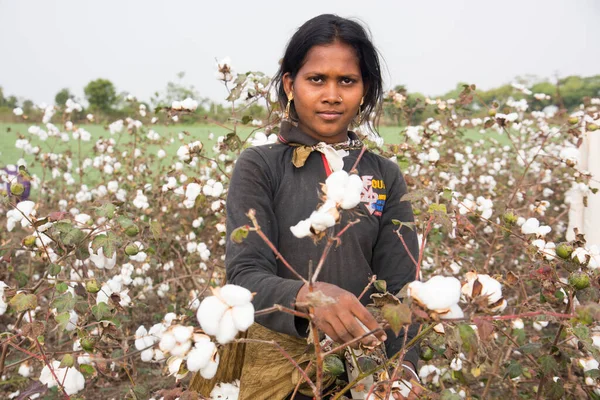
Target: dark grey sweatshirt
(265, 180)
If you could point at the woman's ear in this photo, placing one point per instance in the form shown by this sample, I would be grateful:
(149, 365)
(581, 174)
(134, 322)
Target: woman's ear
(288, 84)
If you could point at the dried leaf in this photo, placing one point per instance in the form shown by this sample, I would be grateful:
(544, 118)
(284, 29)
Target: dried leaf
(397, 316)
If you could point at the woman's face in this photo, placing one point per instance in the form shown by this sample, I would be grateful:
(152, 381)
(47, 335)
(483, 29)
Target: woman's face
(327, 91)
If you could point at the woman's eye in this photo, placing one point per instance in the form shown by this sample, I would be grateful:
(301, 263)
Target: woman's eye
(316, 79)
(347, 81)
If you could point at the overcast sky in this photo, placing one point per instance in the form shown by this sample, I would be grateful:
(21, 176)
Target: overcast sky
(429, 46)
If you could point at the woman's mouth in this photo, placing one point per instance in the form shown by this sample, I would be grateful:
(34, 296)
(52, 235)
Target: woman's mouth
(330, 115)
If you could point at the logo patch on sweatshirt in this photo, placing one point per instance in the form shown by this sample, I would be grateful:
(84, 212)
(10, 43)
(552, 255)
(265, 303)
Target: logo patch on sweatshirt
(373, 194)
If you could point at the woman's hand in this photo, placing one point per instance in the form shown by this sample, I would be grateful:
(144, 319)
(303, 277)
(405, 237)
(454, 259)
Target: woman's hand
(340, 321)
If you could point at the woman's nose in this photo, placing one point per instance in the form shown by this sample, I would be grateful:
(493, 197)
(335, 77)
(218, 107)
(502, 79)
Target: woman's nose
(331, 94)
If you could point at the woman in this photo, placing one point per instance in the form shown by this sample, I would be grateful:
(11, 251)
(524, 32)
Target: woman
(329, 78)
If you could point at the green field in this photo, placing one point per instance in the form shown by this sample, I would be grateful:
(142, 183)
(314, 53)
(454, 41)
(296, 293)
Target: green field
(10, 132)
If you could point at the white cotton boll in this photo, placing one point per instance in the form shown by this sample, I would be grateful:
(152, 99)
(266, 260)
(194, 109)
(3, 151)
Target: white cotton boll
(518, 324)
(176, 105)
(25, 370)
(490, 287)
(174, 363)
(226, 391)
(235, 295)
(539, 325)
(439, 293)
(243, 316)
(456, 364)
(530, 226)
(321, 220)
(210, 370)
(199, 357)
(167, 342)
(147, 355)
(404, 386)
(182, 333)
(301, 229)
(209, 314)
(455, 313)
(181, 349)
(227, 330)
(350, 201)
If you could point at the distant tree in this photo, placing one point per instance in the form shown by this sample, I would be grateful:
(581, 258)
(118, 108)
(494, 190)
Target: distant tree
(11, 102)
(101, 95)
(574, 88)
(2, 99)
(61, 97)
(178, 90)
(27, 106)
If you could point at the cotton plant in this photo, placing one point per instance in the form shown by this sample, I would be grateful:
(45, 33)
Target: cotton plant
(485, 287)
(340, 191)
(68, 377)
(226, 313)
(439, 294)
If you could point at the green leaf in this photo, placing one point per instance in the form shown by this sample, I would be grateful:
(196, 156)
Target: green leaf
(554, 390)
(54, 269)
(23, 302)
(66, 302)
(548, 364)
(380, 285)
(397, 316)
(67, 361)
(21, 278)
(73, 237)
(332, 364)
(124, 222)
(62, 320)
(366, 363)
(448, 395)
(109, 243)
(514, 369)
(468, 337)
(239, 234)
(447, 195)
(435, 208)
(409, 225)
(61, 287)
(530, 348)
(233, 141)
(87, 370)
(101, 311)
(106, 210)
(417, 195)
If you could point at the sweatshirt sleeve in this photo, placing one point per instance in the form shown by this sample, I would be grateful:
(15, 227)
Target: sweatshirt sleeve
(251, 263)
(391, 260)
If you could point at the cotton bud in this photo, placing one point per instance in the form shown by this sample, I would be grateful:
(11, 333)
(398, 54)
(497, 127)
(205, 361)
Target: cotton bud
(29, 241)
(579, 280)
(132, 230)
(492, 112)
(573, 120)
(131, 249)
(592, 127)
(92, 286)
(564, 250)
(17, 189)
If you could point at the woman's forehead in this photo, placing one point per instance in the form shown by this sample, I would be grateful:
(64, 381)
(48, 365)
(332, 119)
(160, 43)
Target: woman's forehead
(336, 55)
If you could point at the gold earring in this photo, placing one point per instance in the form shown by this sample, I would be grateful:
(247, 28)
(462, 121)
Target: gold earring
(286, 115)
(359, 116)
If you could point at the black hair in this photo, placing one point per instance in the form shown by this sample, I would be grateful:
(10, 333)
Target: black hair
(326, 29)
